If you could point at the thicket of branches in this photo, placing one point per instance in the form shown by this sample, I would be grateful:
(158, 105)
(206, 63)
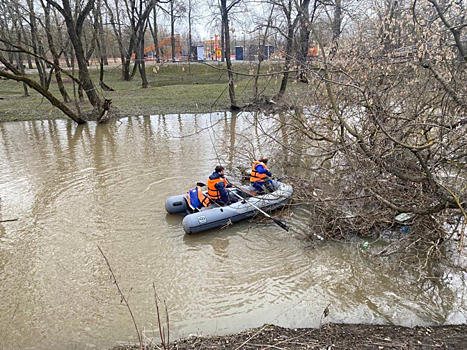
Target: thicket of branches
(384, 127)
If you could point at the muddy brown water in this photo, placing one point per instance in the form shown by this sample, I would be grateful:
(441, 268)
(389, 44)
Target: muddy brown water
(74, 188)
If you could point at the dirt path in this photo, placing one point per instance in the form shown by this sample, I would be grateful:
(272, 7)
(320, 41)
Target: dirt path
(331, 336)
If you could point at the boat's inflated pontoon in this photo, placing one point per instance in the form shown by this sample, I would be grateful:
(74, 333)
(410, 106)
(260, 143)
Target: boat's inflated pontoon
(217, 216)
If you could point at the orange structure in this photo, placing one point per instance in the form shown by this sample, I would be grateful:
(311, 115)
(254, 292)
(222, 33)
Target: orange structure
(165, 47)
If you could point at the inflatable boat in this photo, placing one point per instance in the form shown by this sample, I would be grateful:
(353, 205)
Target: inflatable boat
(217, 216)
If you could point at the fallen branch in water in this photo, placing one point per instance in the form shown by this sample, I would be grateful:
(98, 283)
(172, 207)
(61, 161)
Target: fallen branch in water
(9, 220)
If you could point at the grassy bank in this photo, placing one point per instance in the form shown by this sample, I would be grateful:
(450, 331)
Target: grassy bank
(173, 88)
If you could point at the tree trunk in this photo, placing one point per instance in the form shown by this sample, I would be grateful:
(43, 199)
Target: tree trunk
(90, 49)
(190, 55)
(172, 29)
(80, 87)
(28, 57)
(74, 28)
(261, 54)
(20, 65)
(102, 45)
(12, 55)
(142, 63)
(288, 49)
(35, 44)
(223, 41)
(64, 43)
(126, 72)
(225, 21)
(118, 34)
(53, 51)
(156, 38)
(336, 27)
(304, 40)
(138, 19)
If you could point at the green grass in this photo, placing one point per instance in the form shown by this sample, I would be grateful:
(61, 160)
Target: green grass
(173, 88)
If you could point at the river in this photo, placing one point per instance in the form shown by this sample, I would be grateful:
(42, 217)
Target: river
(76, 188)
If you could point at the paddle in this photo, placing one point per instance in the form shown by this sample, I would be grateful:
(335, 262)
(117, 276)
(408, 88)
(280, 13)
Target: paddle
(280, 223)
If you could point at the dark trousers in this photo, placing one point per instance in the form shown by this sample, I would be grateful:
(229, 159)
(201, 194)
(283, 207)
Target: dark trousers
(263, 187)
(231, 198)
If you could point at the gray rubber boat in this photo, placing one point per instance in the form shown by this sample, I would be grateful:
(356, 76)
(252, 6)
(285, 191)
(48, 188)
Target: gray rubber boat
(217, 216)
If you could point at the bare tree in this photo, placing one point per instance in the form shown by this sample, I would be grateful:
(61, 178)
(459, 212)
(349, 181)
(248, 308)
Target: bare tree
(13, 13)
(138, 12)
(18, 76)
(225, 9)
(336, 26)
(190, 43)
(74, 23)
(288, 33)
(155, 34)
(172, 28)
(176, 11)
(36, 46)
(116, 23)
(53, 50)
(304, 19)
(102, 44)
(262, 48)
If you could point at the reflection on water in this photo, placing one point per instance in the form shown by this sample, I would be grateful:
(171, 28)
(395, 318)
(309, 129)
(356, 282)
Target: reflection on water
(74, 188)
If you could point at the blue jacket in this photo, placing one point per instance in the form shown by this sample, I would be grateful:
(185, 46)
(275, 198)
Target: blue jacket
(260, 169)
(220, 187)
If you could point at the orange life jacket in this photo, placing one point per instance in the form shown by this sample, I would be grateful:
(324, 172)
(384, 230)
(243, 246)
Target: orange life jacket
(213, 192)
(255, 176)
(196, 198)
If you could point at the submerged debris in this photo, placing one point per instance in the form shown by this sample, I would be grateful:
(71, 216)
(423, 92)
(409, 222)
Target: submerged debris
(330, 336)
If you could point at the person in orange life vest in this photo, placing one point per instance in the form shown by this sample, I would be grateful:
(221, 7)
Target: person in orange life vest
(217, 187)
(259, 176)
(196, 198)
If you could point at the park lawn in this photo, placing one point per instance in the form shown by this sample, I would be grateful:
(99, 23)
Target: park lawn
(173, 88)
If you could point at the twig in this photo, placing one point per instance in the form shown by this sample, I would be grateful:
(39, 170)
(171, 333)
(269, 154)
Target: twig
(254, 335)
(161, 333)
(293, 338)
(9, 220)
(123, 298)
(168, 324)
(263, 346)
(385, 249)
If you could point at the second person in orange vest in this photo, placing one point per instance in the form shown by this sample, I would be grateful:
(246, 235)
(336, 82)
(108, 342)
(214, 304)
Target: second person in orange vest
(217, 187)
(260, 176)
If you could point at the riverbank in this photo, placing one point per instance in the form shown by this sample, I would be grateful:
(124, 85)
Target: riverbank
(173, 88)
(329, 336)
